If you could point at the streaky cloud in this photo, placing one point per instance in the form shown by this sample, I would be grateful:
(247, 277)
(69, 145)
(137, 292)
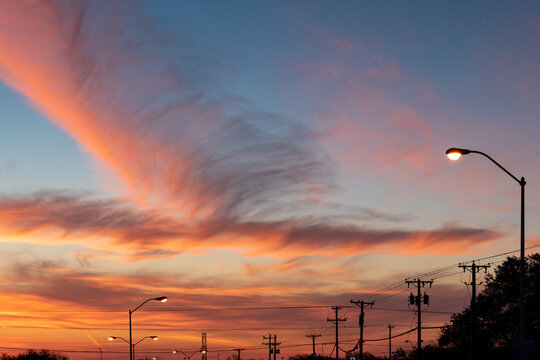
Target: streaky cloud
(154, 234)
(99, 70)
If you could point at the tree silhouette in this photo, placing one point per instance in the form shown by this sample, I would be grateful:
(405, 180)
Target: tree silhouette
(497, 313)
(35, 355)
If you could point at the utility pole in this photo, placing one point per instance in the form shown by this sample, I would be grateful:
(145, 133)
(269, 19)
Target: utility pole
(238, 350)
(390, 327)
(269, 343)
(276, 350)
(473, 269)
(313, 336)
(361, 324)
(417, 300)
(336, 321)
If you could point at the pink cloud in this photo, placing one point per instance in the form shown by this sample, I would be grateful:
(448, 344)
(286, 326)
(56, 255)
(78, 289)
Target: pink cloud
(153, 234)
(385, 72)
(102, 75)
(364, 128)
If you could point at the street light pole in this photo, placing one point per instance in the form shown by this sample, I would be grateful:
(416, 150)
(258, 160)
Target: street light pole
(186, 356)
(455, 154)
(131, 355)
(132, 346)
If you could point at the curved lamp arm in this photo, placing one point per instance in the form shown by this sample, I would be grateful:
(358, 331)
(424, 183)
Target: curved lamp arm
(455, 154)
(161, 298)
(153, 337)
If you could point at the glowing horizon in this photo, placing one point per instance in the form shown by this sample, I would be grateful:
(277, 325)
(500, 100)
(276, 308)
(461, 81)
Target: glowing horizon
(256, 164)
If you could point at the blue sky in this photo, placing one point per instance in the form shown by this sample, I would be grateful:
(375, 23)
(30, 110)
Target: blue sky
(266, 153)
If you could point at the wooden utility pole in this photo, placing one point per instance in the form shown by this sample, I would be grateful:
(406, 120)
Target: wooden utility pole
(238, 350)
(336, 321)
(473, 269)
(390, 327)
(361, 323)
(313, 336)
(269, 343)
(418, 302)
(275, 350)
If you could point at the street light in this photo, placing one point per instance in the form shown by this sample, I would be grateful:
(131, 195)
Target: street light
(455, 154)
(162, 299)
(132, 346)
(146, 337)
(186, 356)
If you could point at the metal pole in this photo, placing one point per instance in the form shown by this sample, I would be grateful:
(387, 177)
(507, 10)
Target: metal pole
(522, 278)
(130, 338)
(473, 313)
(522, 328)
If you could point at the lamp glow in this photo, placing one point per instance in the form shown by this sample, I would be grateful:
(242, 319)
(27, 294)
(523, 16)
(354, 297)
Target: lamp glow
(455, 153)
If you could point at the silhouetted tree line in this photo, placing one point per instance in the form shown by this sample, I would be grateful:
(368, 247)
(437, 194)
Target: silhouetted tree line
(497, 324)
(35, 355)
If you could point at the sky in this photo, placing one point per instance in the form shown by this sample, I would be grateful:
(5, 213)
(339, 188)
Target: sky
(257, 163)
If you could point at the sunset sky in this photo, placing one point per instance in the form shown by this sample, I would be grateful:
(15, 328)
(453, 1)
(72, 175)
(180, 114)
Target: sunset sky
(257, 162)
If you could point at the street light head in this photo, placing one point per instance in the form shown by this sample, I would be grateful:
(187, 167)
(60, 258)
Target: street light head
(153, 337)
(455, 153)
(161, 298)
(111, 338)
(174, 351)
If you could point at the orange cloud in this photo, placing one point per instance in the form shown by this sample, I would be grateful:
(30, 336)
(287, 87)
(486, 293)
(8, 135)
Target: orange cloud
(110, 83)
(155, 235)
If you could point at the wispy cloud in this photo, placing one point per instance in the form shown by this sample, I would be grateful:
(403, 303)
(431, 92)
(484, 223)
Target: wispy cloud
(153, 234)
(98, 71)
(220, 172)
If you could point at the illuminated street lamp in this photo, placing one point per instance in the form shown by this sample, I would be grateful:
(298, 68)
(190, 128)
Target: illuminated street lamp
(162, 299)
(455, 154)
(186, 356)
(132, 346)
